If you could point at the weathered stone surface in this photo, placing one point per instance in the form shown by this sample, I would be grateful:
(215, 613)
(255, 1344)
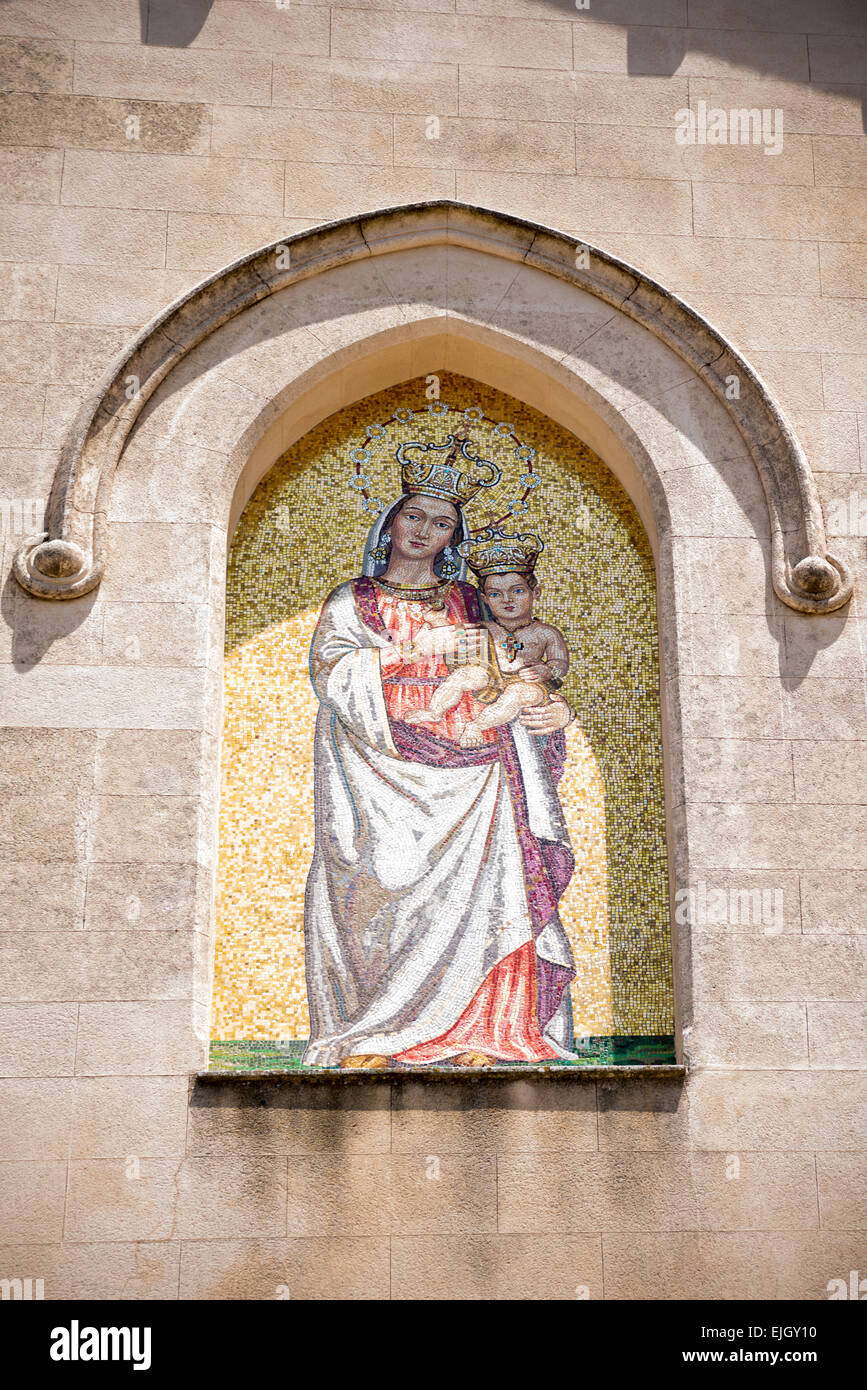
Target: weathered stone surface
(834, 901)
(172, 74)
(808, 108)
(313, 192)
(86, 294)
(741, 1034)
(774, 836)
(121, 1200)
(840, 162)
(341, 137)
(764, 902)
(522, 146)
(583, 207)
(349, 84)
(32, 65)
(609, 1192)
(752, 1266)
(842, 1201)
(27, 291)
(155, 634)
(245, 26)
(405, 1194)
(521, 1117)
(38, 1039)
(39, 965)
(100, 123)
(493, 41)
(137, 1039)
(118, 1116)
(205, 243)
(53, 821)
(838, 1034)
(844, 378)
(144, 1270)
(174, 182)
(331, 1267)
(37, 1118)
(258, 1120)
(30, 176)
(144, 762)
(148, 897)
(498, 1266)
(39, 896)
(33, 1199)
(689, 263)
(787, 1111)
(779, 213)
(738, 770)
(111, 21)
(830, 771)
(781, 967)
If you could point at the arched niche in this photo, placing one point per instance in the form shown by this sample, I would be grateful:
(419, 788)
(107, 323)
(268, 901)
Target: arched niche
(301, 534)
(171, 444)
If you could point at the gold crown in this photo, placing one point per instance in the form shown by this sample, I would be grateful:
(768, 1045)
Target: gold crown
(493, 552)
(444, 479)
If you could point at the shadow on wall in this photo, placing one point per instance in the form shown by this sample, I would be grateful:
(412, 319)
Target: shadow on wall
(658, 48)
(172, 23)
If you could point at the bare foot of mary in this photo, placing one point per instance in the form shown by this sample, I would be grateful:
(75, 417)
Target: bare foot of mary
(474, 1059)
(365, 1061)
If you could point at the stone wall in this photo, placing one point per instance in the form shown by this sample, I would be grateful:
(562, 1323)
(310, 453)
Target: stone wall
(142, 147)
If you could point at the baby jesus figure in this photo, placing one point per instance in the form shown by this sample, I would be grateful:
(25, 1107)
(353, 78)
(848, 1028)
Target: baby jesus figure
(531, 656)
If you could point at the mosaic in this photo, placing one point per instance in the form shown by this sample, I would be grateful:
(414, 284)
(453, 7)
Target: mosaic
(442, 828)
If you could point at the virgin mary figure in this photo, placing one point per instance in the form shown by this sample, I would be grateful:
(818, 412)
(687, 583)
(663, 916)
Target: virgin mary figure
(430, 915)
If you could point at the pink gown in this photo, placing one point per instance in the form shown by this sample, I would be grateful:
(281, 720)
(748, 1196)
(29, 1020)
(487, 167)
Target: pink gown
(500, 1019)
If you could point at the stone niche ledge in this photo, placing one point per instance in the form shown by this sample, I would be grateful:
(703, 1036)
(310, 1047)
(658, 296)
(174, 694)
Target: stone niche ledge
(651, 1071)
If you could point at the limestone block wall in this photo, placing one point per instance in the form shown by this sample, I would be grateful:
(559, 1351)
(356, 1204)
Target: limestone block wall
(146, 143)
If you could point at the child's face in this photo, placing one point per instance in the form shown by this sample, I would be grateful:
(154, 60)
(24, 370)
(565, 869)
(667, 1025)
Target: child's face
(509, 596)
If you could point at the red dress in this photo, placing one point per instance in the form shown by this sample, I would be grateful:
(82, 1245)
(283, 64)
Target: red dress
(500, 1019)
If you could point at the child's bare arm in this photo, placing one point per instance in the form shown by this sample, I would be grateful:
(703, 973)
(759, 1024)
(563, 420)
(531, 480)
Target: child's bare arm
(556, 652)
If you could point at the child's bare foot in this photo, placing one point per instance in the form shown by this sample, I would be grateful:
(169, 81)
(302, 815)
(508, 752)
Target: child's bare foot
(471, 737)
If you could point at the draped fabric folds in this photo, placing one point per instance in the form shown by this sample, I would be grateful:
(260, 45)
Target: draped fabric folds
(432, 895)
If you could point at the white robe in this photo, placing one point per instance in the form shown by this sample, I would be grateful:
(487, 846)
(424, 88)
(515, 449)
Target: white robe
(416, 889)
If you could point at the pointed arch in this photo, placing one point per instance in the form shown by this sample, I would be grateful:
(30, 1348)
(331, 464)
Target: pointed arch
(69, 559)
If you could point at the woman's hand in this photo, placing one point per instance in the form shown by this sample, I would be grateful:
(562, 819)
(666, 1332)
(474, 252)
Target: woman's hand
(438, 641)
(391, 656)
(546, 719)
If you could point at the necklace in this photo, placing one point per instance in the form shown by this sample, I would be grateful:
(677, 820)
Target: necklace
(511, 646)
(438, 591)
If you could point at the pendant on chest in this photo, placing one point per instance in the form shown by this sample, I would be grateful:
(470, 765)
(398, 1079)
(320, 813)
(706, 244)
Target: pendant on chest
(511, 647)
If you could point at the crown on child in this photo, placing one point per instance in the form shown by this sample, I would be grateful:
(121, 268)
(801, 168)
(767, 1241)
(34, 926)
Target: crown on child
(444, 478)
(493, 552)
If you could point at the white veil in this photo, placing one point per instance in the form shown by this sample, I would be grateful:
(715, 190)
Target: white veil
(372, 567)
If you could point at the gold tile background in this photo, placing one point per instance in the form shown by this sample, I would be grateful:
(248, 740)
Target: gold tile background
(302, 533)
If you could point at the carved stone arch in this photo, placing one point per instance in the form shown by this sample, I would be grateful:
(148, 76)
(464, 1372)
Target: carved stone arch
(594, 357)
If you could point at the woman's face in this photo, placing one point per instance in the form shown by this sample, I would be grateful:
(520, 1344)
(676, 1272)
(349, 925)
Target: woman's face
(422, 528)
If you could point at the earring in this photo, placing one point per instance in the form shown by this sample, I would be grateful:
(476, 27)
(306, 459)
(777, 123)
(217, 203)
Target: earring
(448, 569)
(380, 552)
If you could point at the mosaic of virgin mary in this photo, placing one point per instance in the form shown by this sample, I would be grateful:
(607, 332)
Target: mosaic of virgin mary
(432, 934)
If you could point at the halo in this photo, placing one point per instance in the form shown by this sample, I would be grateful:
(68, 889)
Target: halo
(504, 430)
